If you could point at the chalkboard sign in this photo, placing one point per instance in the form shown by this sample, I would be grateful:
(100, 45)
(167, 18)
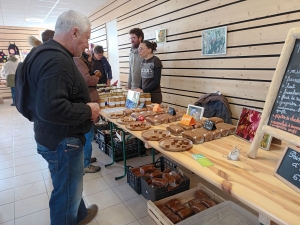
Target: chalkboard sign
(171, 111)
(285, 114)
(209, 125)
(288, 168)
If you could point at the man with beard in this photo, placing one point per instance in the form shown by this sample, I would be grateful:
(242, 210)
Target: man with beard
(134, 78)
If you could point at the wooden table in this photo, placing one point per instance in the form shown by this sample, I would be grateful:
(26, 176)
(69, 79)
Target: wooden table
(252, 180)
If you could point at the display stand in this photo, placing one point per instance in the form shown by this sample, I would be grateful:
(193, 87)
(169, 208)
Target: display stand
(281, 113)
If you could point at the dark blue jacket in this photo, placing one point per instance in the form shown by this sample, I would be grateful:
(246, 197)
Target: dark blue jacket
(106, 67)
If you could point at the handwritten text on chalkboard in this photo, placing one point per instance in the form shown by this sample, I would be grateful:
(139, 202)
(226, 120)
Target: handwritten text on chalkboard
(285, 114)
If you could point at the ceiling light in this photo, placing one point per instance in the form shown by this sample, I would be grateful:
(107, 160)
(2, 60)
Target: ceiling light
(34, 20)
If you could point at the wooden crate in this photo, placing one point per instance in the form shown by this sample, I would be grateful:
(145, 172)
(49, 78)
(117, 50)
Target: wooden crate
(184, 197)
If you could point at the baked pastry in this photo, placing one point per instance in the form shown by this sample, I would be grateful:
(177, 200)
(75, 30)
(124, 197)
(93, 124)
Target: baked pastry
(165, 210)
(179, 206)
(160, 182)
(228, 126)
(147, 169)
(208, 203)
(179, 115)
(174, 218)
(201, 194)
(175, 129)
(153, 121)
(127, 112)
(134, 169)
(176, 176)
(198, 208)
(195, 137)
(185, 213)
(208, 136)
(185, 127)
(195, 201)
(172, 202)
(168, 170)
(198, 124)
(156, 174)
(171, 179)
(216, 134)
(216, 120)
(224, 132)
(163, 119)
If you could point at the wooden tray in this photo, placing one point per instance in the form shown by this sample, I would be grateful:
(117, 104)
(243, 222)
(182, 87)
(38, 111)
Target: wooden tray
(176, 144)
(115, 115)
(138, 125)
(156, 134)
(125, 120)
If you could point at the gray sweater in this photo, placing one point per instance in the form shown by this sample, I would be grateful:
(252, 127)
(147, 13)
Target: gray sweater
(134, 77)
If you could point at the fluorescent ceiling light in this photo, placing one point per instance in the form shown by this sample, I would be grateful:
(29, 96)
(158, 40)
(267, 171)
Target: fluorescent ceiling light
(35, 20)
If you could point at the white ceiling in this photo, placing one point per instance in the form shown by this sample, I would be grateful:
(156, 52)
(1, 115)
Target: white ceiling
(15, 12)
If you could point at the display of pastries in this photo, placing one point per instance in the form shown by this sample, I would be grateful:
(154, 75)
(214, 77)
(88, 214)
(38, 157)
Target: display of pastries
(138, 125)
(155, 135)
(125, 120)
(176, 144)
(115, 115)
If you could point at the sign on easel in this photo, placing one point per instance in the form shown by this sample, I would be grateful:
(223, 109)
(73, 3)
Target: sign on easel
(281, 114)
(288, 168)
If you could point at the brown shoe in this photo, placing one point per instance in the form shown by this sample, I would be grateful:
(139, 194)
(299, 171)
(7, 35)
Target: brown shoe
(92, 212)
(93, 159)
(92, 169)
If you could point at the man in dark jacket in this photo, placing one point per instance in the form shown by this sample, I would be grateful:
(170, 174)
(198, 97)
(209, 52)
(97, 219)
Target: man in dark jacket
(101, 64)
(60, 104)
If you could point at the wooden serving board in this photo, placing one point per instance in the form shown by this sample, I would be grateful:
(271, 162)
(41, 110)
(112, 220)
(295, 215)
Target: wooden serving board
(138, 126)
(125, 120)
(115, 115)
(176, 144)
(155, 135)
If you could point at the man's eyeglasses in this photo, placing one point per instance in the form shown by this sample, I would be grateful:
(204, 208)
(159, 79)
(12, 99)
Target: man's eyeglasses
(132, 38)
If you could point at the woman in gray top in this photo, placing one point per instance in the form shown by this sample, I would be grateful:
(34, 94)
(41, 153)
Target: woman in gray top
(150, 71)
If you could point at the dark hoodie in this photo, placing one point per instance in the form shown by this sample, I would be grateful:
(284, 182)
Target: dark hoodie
(58, 95)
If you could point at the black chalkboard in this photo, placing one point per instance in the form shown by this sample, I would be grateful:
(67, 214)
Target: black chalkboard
(289, 168)
(285, 114)
(209, 125)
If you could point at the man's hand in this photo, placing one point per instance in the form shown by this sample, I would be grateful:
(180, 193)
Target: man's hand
(95, 111)
(138, 90)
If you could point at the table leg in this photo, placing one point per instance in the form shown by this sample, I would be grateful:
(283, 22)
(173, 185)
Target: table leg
(112, 144)
(124, 155)
(153, 155)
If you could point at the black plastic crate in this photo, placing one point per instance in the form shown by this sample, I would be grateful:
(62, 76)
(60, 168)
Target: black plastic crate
(102, 147)
(135, 182)
(102, 126)
(155, 194)
(104, 135)
(131, 147)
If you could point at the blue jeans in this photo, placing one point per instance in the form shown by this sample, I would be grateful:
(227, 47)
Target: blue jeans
(89, 136)
(65, 163)
(13, 94)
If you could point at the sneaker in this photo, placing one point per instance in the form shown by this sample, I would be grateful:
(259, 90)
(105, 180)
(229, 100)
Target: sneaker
(91, 214)
(12, 104)
(93, 159)
(92, 169)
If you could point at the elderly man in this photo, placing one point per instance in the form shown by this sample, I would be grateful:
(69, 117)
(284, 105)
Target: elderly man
(62, 112)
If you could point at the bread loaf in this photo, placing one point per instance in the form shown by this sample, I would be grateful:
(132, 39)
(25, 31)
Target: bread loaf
(198, 208)
(208, 136)
(160, 182)
(165, 210)
(174, 218)
(127, 112)
(156, 174)
(185, 127)
(171, 179)
(172, 202)
(185, 213)
(175, 129)
(195, 137)
(153, 121)
(175, 208)
(201, 194)
(176, 176)
(228, 126)
(195, 201)
(216, 120)
(163, 119)
(208, 203)
(147, 169)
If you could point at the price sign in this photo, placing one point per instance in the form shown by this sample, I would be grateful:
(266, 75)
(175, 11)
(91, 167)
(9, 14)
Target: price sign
(142, 105)
(157, 108)
(172, 111)
(188, 120)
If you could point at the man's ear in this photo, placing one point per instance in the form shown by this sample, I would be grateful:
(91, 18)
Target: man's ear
(140, 39)
(74, 32)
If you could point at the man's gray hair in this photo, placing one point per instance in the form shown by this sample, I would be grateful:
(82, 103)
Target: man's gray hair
(71, 18)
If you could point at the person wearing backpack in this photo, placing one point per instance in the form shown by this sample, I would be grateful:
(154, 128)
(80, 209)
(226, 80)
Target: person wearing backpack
(53, 94)
(8, 72)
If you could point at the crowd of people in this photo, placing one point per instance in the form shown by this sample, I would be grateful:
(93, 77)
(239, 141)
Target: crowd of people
(62, 74)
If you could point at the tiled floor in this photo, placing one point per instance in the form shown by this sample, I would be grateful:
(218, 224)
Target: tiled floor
(25, 183)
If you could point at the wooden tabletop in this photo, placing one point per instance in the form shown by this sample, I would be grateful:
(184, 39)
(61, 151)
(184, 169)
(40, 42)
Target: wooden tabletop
(252, 180)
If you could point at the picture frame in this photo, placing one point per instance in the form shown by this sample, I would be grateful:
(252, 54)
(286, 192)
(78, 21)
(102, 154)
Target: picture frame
(132, 99)
(214, 41)
(247, 126)
(161, 36)
(195, 111)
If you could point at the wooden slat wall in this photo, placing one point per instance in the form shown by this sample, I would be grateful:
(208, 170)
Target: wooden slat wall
(256, 33)
(17, 35)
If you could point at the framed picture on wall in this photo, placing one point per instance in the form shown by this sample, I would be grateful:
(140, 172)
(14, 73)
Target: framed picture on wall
(195, 111)
(161, 36)
(214, 41)
(247, 126)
